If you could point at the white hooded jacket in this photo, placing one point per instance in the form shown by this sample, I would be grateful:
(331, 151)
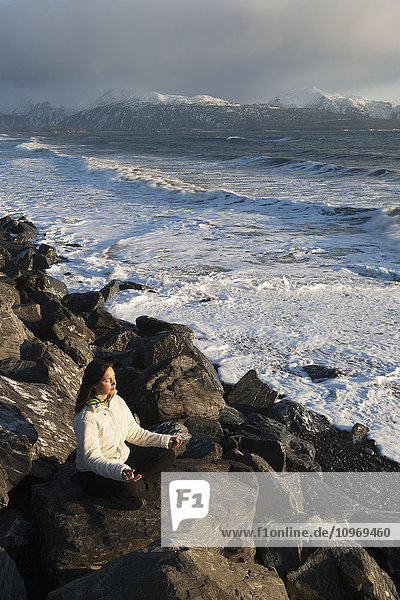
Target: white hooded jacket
(101, 434)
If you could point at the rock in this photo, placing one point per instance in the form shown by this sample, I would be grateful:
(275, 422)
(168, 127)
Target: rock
(173, 389)
(28, 313)
(79, 533)
(190, 573)
(174, 428)
(283, 559)
(250, 394)
(298, 419)
(11, 583)
(23, 370)
(167, 346)
(202, 449)
(359, 432)
(320, 373)
(19, 230)
(119, 340)
(207, 429)
(101, 319)
(24, 260)
(49, 253)
(59, 323)
(9, 296)
(12, 334)
(19, 538)
(110, 290)
(17, 438)
(148, 326)
(274, 442)
(36, 281)
(132, 285)
(77, 349)
(83, 304)
(254, 461)
(345, 573)
(230, 418)
(11, 270)
(211, 465)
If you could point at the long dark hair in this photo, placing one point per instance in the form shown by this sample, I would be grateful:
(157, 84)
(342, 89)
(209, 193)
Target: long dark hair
(91, 377)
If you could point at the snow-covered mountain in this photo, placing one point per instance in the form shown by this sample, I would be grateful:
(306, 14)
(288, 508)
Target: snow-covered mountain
(315, 99)
(38, 114)
(131, 97)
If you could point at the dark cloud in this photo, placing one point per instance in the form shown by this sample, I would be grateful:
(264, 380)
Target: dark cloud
(245, 50)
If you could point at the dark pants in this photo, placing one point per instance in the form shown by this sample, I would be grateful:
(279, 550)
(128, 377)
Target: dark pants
(149, 462)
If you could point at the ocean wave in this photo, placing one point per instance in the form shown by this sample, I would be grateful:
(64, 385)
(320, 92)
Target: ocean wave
(387, 221)
(381, 273)
(36, 145)
(311, 167)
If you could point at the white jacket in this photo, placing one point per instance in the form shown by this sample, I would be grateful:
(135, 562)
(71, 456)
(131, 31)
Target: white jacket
(101, 434)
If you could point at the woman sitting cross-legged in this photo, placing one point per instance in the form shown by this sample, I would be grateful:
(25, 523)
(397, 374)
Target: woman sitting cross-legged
(104, 426)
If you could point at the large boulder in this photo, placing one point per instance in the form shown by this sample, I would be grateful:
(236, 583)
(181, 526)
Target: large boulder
(173, 389)
(79, 533)
(345, 573)
(11, 583)
(250, 394)
(190, 573)
(8, 296)
(58, 323)
(83, 303)
(149, 326)
(37, 281)
(166, 346)
(19, 230)
(274, 442)
(12, 334)
(17, 439)
(298, 419)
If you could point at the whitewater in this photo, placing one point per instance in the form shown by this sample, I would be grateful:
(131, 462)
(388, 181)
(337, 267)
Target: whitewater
(280, 249)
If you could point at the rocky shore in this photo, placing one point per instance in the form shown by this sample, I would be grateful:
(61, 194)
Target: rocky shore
(57, 543)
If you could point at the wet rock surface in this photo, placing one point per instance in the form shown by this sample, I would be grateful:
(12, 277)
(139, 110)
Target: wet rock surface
(81, 547)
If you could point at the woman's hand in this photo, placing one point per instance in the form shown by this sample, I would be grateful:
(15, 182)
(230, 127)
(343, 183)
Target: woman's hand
(130, 475)
(174, 442)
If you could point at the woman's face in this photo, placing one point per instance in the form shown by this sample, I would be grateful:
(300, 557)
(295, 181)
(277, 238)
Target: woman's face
(106, 384)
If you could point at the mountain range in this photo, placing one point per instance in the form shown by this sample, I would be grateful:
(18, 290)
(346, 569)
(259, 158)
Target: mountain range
(124, 110)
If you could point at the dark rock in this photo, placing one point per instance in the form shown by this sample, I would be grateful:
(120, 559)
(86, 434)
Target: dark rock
(230, 418)
(201, 429)
(19, 538)
(190, 573)
(24, 260)
(11, 270)
(359, 432)
(173, 389)
(131, 285)
(212, 465)
(36, 281)
(125, 375)
(28, 313)
(80, 533)
(202, 449)
(298, 419)
(83, 303)
(101, 319)
(254, 461)
(8, 296)
(119, 340)
(283, 559)
(78, 349)
(320, 373)
(345, 573)
(11, 583)
(149, 326)
(110, 290)
(13, 333)
(250, 394)
(49, 253)
(172, 345)
(40, 262)
(58, 323)
(174, 428)
(274, 442)
(23, 370)
(17, 438)
(20, 230)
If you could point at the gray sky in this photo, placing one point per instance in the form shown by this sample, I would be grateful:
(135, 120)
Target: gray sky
(240, 50)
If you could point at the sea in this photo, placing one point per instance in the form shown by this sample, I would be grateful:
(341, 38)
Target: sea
(279, 248)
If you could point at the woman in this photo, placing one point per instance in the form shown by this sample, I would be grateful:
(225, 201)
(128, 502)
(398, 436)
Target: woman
(106, 465)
